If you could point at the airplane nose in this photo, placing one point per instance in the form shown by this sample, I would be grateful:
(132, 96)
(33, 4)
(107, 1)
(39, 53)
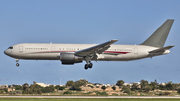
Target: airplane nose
(5, 52)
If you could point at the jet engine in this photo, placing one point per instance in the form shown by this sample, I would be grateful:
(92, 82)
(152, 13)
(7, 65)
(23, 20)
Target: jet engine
(70, 58)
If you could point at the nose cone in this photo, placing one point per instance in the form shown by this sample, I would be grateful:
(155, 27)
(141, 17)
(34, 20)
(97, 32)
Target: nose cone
(5, 52)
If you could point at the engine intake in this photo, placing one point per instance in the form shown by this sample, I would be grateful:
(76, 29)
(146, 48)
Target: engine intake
(70, 58)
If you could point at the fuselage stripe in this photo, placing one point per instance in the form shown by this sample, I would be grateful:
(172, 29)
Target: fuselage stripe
(116, 52)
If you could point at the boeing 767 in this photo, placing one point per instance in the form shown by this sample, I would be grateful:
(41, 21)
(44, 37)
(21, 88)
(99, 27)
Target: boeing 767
(76, 53)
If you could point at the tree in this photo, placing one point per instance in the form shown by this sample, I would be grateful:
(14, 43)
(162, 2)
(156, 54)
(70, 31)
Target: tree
(103, 87)
(32, 89)
(57, 87)
(162, 87)
(126, 89)
(174, 86)
(25, 88)
(6, 90)
(134, 87)
(114, 87)
(35, 89)
(34, 82)
(75, 87)
(48, 89)
(154, 84)
(178, 91)
(1, 91)
(69, 83)
(61, 88)
(120, 83)
(18, 87)
(81, 82)
(9, 86)
(144, 83)
(148, 88)
(169, 85)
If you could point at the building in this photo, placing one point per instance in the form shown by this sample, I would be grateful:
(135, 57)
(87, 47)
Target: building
(43, 85)
(3, 86)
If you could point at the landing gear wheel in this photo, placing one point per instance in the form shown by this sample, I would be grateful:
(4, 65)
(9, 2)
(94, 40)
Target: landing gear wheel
(90, 65)
(17, 64)
(86, 66)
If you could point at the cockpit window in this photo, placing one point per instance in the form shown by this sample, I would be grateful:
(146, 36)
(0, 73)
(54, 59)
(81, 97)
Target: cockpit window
(10, 47)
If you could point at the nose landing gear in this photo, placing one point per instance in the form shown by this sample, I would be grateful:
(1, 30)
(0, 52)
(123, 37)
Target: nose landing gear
(17, 64)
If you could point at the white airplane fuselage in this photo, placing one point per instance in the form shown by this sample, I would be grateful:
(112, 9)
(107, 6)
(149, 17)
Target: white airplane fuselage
(38, 51)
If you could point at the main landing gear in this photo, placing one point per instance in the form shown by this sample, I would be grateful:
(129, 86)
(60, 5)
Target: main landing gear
(88, 63)
(17, 64)
(88, 66)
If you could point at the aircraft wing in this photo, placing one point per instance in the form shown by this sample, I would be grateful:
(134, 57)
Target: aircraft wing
(95, 49)
(161, 49)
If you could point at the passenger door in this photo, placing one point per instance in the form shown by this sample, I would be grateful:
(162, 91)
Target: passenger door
(135, 50)
(52, 48)
(20, 49)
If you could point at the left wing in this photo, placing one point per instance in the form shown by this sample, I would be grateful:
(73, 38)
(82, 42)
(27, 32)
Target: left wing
(95, 49)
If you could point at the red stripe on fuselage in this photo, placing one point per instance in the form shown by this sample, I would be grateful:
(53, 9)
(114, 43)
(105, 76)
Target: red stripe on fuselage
(116, 52)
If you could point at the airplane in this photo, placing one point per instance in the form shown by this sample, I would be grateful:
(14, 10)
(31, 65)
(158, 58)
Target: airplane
(70, 54)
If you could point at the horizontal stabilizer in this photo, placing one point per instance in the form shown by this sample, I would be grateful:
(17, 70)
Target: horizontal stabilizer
(161, 49)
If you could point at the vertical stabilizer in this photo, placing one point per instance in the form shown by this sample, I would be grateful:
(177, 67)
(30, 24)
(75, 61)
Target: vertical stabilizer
(158, 38)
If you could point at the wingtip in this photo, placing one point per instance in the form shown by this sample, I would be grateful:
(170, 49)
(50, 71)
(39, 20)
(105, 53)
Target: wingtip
(114, 40)
(171, 20)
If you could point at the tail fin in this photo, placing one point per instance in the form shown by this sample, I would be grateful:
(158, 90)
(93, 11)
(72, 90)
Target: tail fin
(158, 38)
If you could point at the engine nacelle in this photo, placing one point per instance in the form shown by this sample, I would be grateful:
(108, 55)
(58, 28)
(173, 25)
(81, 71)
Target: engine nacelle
(70, 58)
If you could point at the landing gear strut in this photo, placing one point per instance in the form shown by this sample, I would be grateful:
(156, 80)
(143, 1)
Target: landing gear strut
(17, 64)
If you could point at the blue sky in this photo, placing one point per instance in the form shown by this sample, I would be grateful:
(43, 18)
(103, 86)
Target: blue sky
(89, 22)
